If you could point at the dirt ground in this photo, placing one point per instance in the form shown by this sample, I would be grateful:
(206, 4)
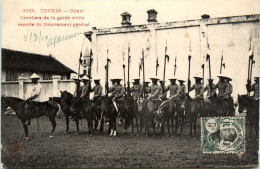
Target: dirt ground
(101, 150)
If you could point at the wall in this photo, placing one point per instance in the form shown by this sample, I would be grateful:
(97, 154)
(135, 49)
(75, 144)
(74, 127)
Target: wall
(10, 89)
(230, 34)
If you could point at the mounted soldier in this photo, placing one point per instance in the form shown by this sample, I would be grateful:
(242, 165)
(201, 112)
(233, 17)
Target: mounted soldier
(163, 89)
(155, 92)
(228, 98)
(117, 91)
(136, 89)
(182, 88)
(35, 97)
(221, 86)
(77, 91)
(97, 89)
(254, 88)
(173, 87)
(210, 91)
(86, 88)
(199, 90)
(147, 89)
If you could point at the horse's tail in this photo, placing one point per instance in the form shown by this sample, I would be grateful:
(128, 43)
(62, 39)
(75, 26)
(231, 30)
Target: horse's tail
(59, 112)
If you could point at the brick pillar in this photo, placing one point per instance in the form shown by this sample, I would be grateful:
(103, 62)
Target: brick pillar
(55, 87)
(21, 80)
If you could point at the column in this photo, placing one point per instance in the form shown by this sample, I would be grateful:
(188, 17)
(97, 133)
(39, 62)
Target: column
(21, 80)
(55, 85)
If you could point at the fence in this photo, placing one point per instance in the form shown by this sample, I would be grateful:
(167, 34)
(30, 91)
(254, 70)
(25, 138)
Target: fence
(50, 88)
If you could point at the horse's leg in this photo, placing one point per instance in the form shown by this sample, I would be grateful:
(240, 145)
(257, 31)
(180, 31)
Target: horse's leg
(194, 125)
(168, 126)
(102, 125)
(176, 124)
(67, 123)
(132, 122)
(126, 124)
(136, 123)
(190, 127)
(182, 121)
(26, 132)
(153, 126)
(77, 124)
(53, 122)
(114, 127)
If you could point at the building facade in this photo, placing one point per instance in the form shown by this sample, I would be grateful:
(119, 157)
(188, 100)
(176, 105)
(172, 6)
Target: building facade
(231, 37)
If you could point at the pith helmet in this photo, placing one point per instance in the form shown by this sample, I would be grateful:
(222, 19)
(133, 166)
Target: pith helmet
(154, 78)
(198, 76)
(34, 76)
(84, 78)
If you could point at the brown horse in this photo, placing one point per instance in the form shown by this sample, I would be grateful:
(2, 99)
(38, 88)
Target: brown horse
(33, 110)
(166, 113)
(83, 107)
(192, 109)
(149, 113)
(252, 106)
(109, 111)
(221, 107)
(66, 101)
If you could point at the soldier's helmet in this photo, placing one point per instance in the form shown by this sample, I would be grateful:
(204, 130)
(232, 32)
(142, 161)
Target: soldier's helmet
(34, 76)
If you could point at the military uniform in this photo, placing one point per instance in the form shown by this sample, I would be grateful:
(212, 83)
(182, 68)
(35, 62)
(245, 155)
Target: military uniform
(182, 90)
(85, 91)
(136, 90)
(97, 89)
(163, 93)
(210, 90)
(78, 91)
(155, 92)
(221, 86)
(35, 94)
(147, 90)
(255, 88)
(199, 90)
(117, 91)
(174, 90)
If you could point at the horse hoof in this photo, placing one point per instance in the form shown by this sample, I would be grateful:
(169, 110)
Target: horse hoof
(65, 132)
(90, 134)
(125, 131)
(194, 137)
(51, 136)
(137, 134)
(153, 135)
(26, 138)
(131, 134)
(76, 133)
(107, 123)
(146, 135)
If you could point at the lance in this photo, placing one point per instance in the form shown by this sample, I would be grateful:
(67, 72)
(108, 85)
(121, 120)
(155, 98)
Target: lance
(80, 56)
(140, 67)
(189, 59)
(143, 73)
(252, 62)
(106, 67)
(90, 66)
(165, 58)
(202, 66)
(124, 75)
(175, 65)
(128, 71)
(208, 59)
(157, 65)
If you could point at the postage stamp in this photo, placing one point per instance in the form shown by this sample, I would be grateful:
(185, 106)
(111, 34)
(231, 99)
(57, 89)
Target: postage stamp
(223, 135)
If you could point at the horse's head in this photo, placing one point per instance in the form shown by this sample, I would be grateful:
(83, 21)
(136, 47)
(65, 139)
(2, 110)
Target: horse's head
(158, 115)
(66, 96)
(242, 102)
(140, 105)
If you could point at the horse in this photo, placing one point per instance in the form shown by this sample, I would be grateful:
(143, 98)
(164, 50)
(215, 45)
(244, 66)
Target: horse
(108, 109)
(165, 113)
(221, 107)
(33, 110)
(66, 101)
(96, 107)
(252, 113)
(83, 107)
(130, 112)
(149, 114)
(210, 110)
(140, 114)
(192, 109)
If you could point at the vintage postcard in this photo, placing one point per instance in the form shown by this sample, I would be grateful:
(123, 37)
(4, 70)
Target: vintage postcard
(130, 84)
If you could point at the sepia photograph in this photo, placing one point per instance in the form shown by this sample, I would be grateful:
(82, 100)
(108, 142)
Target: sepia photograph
(130, 84)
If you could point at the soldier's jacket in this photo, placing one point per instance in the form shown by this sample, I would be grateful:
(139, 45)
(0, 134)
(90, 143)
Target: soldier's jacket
(163, 92)
(136, 90)
(210, 90)
(182, 90)
(147, 90)
(255, 88)
(228, 90)
(221, 86)
(112, 87)
(117, 91)
(174, 90)
(78, 91)
(85, 91)
(155, 91)
(199, 90)
(97, 89)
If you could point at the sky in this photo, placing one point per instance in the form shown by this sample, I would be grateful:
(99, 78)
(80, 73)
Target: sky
(101, 14)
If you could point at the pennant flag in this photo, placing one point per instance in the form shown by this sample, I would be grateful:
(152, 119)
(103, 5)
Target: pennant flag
(250, 52)
(190, 52)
